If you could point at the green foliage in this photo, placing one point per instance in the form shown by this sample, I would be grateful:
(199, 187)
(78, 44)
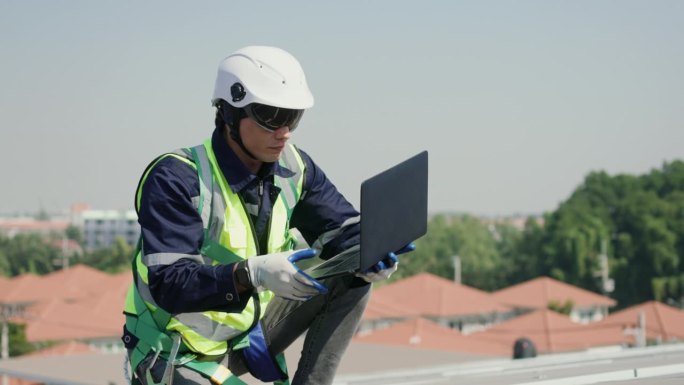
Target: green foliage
(111, 260)
(640, 219)
(480, 247)
(26, 253)
(4, 261)
(36, 254)
(74, 233)
(561, 307)
(18, 345)
(527, 259)
(42, 215)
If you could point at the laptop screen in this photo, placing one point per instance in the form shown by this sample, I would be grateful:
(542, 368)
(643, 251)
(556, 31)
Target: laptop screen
(393, 209)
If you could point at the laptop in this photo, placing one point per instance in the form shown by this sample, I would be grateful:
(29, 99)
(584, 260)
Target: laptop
(393, 214)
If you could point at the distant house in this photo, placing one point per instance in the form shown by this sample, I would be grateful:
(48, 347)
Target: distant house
(444, 302)
(551, 332)
(76, 304)
(102, 227)
(15, 226)
(424, 334)
(81, 308)
(660, 323)
(540, 292)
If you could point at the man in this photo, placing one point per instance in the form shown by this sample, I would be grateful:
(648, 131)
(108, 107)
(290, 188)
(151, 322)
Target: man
(216, 289)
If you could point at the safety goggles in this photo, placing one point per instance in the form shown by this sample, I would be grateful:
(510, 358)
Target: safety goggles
(272, 118)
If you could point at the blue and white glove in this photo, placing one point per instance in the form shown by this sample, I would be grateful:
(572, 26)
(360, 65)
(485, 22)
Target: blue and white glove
(277, 272)
(384, 269)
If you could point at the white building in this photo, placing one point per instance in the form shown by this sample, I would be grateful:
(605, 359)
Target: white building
(102, 227)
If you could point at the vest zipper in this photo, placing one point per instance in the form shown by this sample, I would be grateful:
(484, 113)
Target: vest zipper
(255, 295)
(249, 218)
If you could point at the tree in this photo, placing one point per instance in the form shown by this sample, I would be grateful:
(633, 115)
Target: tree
(18, 344)
(433, 251)
(28, 253)
(74, 233)
(5, 270)
(641, 218)
(527, 259)
(645, 247)
(561, 307)
(112, 260)
(457, 235)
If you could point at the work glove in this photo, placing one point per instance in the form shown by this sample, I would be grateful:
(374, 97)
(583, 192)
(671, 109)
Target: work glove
(278, 273)
(384, 269)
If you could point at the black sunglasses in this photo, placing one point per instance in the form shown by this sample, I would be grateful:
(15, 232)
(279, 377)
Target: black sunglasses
(272, 118)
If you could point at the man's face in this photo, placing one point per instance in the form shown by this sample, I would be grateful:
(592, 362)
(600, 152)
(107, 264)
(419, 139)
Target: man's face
(263, 144)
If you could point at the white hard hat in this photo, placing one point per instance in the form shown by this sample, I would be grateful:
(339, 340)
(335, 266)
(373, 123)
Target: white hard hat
(264, 75)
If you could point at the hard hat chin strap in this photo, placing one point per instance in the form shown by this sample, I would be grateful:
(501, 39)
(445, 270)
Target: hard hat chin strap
(234, 133)
(231, 116)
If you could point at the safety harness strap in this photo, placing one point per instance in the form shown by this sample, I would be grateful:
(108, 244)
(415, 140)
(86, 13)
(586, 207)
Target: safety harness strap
(152, 340)
(219, 252)
(217, 373)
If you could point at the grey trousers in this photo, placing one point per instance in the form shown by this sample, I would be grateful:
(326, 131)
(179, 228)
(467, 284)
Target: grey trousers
(329, 322)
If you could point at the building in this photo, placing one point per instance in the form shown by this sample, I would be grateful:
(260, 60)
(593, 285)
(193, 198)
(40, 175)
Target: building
(76, 304)
(446, 303)
(102, 227)
(539, 293)
(11, 227)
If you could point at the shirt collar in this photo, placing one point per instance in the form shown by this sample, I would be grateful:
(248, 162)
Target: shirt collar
(237, 175)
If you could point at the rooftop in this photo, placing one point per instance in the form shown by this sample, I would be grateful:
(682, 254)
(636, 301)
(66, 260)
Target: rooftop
(80, 305)
(537, 293)
(429, 295)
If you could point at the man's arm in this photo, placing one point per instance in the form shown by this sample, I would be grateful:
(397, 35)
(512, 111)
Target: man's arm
(172, 234)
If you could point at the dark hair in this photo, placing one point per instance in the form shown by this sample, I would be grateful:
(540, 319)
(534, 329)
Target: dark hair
(219, 123)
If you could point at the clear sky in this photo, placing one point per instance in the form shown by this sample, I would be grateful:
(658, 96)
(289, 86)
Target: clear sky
(516, 101)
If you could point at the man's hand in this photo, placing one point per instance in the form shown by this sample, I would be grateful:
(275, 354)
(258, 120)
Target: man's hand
(278, 273)
(384, 269)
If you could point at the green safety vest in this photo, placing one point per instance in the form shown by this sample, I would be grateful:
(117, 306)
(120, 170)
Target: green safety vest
(228, 237)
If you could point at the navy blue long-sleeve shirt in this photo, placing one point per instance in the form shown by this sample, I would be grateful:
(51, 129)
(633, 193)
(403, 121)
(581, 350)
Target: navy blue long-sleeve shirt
(170, 223)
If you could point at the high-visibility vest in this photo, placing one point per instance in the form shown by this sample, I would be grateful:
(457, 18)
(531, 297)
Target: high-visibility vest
(228, 237)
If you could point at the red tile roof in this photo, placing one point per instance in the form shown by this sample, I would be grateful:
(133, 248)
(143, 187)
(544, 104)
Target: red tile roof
(120, 282)
(538, 292)
(83, 303)
(77, 303)
(662, 321)
(551, 332)
(78, 281)
(424, 334)
(33, 225)
(19, 381)
(59, 320)
(429, 295)
(20, 289)
(383, 307)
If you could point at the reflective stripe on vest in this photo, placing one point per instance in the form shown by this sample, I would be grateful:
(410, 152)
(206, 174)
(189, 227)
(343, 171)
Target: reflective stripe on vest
(228, 237)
